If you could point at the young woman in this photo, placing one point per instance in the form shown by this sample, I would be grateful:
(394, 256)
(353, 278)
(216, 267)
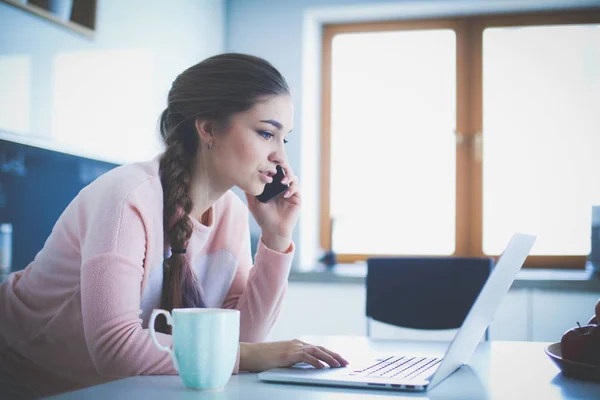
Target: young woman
(167, 233)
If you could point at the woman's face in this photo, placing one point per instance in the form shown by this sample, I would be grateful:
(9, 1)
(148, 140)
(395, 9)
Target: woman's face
(245, 155)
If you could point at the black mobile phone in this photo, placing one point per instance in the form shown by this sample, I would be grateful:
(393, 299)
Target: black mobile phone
(275, 188)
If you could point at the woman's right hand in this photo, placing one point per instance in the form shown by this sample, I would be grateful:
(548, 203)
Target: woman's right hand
(258, 357)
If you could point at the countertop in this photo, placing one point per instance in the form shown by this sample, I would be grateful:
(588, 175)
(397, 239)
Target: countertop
(496, 370)
(544, 279)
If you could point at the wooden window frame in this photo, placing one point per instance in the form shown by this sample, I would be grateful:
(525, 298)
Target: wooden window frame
(469, 190)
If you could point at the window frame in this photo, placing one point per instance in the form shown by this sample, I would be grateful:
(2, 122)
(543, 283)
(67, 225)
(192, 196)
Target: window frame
(469, 120)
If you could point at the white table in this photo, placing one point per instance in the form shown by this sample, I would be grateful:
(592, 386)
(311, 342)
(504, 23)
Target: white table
(497, 370)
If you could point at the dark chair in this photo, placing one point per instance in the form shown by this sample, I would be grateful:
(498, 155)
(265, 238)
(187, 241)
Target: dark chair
(431, 293)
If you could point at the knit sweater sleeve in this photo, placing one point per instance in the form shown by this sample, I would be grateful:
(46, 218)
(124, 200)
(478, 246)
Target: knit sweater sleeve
(114, 239)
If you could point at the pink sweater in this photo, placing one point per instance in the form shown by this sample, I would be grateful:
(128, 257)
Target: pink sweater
(78, 314)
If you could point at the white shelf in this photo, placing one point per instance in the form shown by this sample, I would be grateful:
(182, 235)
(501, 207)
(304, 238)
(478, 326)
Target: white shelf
(47, 15)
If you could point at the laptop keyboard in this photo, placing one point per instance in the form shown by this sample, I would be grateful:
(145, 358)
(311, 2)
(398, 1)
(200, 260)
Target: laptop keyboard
(399, 367)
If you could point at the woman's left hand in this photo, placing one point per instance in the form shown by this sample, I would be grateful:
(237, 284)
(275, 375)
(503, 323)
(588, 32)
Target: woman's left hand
(278, 217)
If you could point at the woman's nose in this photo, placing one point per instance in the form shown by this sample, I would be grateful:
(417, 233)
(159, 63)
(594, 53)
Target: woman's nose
(278, 156)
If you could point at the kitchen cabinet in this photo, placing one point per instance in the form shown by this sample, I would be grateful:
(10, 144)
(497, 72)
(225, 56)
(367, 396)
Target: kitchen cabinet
(77, 15)
(312, 308)
(553, 312)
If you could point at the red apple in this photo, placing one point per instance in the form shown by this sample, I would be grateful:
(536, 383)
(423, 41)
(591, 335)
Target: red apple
(582, 344)
(595, 317)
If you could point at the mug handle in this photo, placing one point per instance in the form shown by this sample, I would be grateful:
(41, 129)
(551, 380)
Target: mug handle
(156, 313)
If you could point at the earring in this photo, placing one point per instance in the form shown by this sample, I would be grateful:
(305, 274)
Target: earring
(210, 145)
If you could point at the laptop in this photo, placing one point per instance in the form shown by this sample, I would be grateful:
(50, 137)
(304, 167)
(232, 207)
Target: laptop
(418, 374)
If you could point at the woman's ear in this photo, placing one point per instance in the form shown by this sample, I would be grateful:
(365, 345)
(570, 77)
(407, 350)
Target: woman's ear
(204, 128)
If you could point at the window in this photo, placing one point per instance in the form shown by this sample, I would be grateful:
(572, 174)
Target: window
(444, 137)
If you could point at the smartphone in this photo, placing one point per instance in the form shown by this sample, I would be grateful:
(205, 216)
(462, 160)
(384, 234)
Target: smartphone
(275, 188)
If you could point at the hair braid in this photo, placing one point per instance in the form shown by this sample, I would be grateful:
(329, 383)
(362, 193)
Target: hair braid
(180, 286)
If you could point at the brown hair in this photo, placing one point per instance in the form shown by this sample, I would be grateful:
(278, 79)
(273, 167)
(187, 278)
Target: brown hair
(214, 90)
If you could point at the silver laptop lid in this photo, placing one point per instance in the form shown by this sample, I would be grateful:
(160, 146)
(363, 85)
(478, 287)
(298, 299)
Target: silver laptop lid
(485, 306)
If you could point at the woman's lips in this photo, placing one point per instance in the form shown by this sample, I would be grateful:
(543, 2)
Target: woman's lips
(265, 177)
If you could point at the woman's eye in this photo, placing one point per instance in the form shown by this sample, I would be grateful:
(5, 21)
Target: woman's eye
(265, 134)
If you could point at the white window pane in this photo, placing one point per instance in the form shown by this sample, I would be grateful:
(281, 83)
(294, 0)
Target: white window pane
(541, 130)
(393, 161)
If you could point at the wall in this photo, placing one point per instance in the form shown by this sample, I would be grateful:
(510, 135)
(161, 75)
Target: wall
(287, 33)
(102, 97)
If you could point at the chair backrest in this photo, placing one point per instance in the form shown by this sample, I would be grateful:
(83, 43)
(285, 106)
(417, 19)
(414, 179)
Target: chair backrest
(429, 293)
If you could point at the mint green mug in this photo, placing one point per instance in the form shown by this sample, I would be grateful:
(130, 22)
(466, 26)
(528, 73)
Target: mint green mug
(205, 344)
